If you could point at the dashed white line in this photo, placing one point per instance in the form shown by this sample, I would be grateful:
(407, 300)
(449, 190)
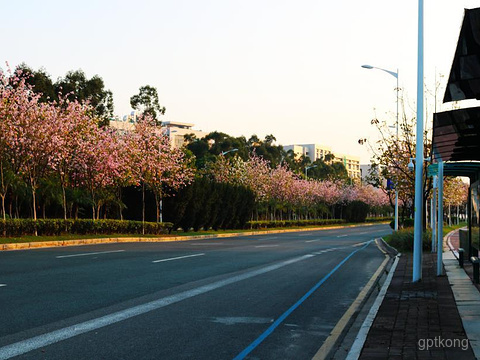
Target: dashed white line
(3, 285)
(342, 235)
(87, 254)
(309, 241)
(264, 246)
(177, 258)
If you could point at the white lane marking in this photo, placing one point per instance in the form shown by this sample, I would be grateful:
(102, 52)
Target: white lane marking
(309, 241)
(207, 244)
(360, 244)
(3, 285)
(327, 250)
(363, 233)
(269, 238)
(177, 258)
(264, 246)
(87, 254)
(53, 337)
(342, 235)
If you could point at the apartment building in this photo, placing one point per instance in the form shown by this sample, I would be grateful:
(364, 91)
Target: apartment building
(318, 151)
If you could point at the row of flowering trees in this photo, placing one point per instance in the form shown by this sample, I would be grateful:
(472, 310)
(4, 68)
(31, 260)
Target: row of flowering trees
(62, 140)
(280, 191)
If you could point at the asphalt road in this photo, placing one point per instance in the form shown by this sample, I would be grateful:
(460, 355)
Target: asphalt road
(273, 296)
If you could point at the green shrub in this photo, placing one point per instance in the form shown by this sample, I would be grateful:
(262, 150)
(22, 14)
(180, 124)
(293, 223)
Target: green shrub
(378, 219)
(52, 227)
(292, 223)
(402, 240)
(356, 211)
(405, 223)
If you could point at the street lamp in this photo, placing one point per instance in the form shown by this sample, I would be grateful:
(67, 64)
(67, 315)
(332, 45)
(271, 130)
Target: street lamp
(223, 153)
(395, 75)
(306, 170)
(417, 224)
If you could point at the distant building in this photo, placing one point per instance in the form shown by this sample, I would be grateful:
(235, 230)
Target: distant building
(366, 171)
(318, 151)
(176, 131)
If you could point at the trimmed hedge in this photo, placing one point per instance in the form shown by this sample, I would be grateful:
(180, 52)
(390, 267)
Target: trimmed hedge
(406, 223)
(51, 227)
(291, 223)
(378, 219)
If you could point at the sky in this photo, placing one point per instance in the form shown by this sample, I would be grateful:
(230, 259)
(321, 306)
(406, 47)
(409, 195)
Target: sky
(243, 67)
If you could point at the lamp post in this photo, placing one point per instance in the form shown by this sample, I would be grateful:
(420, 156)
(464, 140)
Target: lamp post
(417, 225)
(395, 75)
(223, 153)
(306, 170)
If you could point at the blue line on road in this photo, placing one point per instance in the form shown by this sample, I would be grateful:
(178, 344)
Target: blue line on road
(277, 322)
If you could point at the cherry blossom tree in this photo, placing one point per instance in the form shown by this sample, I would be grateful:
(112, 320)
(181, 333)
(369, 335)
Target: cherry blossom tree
(155, 163)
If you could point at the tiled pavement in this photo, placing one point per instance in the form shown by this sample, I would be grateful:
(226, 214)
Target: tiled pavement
(414, 316)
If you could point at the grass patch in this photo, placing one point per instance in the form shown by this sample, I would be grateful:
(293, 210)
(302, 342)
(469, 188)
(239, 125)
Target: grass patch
(402, 240)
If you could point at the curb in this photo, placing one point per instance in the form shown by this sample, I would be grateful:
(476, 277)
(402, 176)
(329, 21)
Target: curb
(61, 243)
(336, 335)
(357, 345)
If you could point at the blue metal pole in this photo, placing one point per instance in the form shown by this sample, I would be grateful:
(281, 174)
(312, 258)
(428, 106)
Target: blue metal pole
(434, 214)
(418, 223)
(440, 220)
(396, 187)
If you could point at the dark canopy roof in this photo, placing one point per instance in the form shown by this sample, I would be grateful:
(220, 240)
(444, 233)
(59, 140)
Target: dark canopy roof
(456, 135)
(464, 80)
(469, 169)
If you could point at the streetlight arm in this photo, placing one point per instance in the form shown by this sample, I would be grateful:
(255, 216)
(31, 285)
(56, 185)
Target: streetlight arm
(393, 73)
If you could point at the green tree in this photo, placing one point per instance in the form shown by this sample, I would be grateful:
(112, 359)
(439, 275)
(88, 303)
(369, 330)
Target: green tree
(75, 85)
(146, 101)
(40, 80)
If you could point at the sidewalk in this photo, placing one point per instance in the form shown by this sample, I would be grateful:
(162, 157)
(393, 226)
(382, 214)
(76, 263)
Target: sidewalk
(418, 320)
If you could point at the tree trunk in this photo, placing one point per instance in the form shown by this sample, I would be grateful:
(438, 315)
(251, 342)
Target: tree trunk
(3, 207)
(120, 202)
(64, 199)
(34, 196)
(157, 204)
(4, 192)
